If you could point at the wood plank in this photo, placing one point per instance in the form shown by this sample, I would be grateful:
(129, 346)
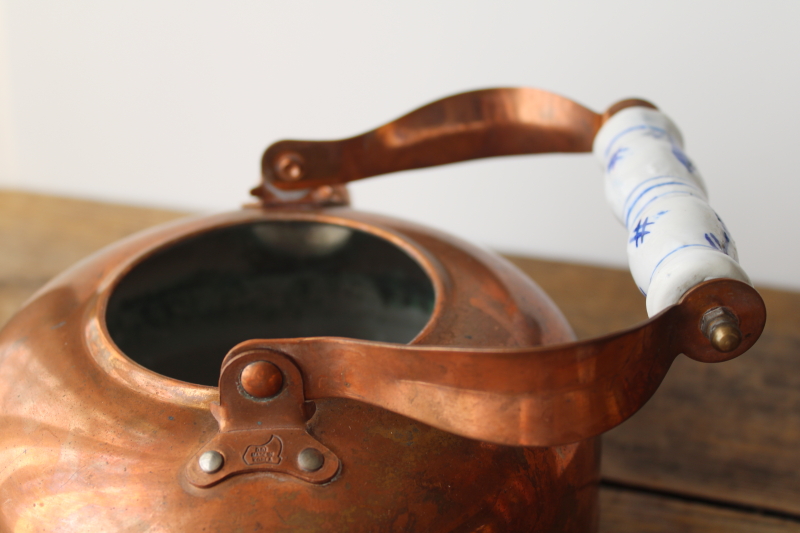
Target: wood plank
(727, 432)
(623, 511)
(41, 236)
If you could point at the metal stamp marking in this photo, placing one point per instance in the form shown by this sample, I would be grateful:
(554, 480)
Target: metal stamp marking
(268, 453)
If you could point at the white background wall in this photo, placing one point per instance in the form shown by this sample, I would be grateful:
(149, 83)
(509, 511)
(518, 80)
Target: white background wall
(171, 103)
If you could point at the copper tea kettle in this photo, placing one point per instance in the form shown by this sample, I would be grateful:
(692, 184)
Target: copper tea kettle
(379, 376)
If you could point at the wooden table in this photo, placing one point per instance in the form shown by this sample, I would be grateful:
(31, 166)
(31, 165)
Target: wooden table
(717, 449)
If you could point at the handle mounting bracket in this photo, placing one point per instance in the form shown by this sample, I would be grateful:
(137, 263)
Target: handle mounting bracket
(261, 430)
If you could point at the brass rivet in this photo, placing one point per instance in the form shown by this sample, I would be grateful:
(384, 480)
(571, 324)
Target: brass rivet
(310, 460)
(261, 379)
(211, 461)
(289, 167)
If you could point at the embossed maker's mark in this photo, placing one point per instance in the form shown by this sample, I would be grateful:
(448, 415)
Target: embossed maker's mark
(267, 453)
(640, 231)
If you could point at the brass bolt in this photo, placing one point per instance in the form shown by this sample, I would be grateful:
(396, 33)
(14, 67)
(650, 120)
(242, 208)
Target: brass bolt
(261, 379)
(721, 327)
(289, 167)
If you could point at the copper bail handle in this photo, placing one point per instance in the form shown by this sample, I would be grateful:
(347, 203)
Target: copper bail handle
(676, 240)
(472, 125)
(540, 396)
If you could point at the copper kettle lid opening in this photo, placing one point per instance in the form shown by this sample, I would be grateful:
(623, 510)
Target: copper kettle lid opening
(180, 310)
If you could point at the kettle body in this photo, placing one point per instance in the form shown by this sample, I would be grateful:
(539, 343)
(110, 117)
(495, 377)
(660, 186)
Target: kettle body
(95, 441)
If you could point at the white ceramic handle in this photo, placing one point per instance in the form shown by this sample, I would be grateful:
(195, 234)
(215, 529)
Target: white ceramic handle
(675, 239)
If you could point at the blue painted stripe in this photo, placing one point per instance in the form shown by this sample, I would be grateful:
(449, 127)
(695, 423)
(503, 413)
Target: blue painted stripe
(629, 130)
(675, 250)
(628, 213)
(668, 176)
(621, 134)
(656, 197)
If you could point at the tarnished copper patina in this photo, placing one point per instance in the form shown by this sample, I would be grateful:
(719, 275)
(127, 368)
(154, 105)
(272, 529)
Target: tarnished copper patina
(379, 376)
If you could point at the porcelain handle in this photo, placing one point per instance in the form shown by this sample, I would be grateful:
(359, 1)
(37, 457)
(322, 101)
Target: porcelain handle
(675, 239)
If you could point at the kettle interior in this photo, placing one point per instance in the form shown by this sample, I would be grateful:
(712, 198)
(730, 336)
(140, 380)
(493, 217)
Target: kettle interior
(181, 309)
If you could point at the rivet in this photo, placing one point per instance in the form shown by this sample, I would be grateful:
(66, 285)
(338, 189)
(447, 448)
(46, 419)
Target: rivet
(261, 379)
(310, 460)
(289, 167)
(210, 462)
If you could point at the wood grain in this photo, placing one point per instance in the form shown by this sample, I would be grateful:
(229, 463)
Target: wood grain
(628, 511)
(40, 236)
(728, 433)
